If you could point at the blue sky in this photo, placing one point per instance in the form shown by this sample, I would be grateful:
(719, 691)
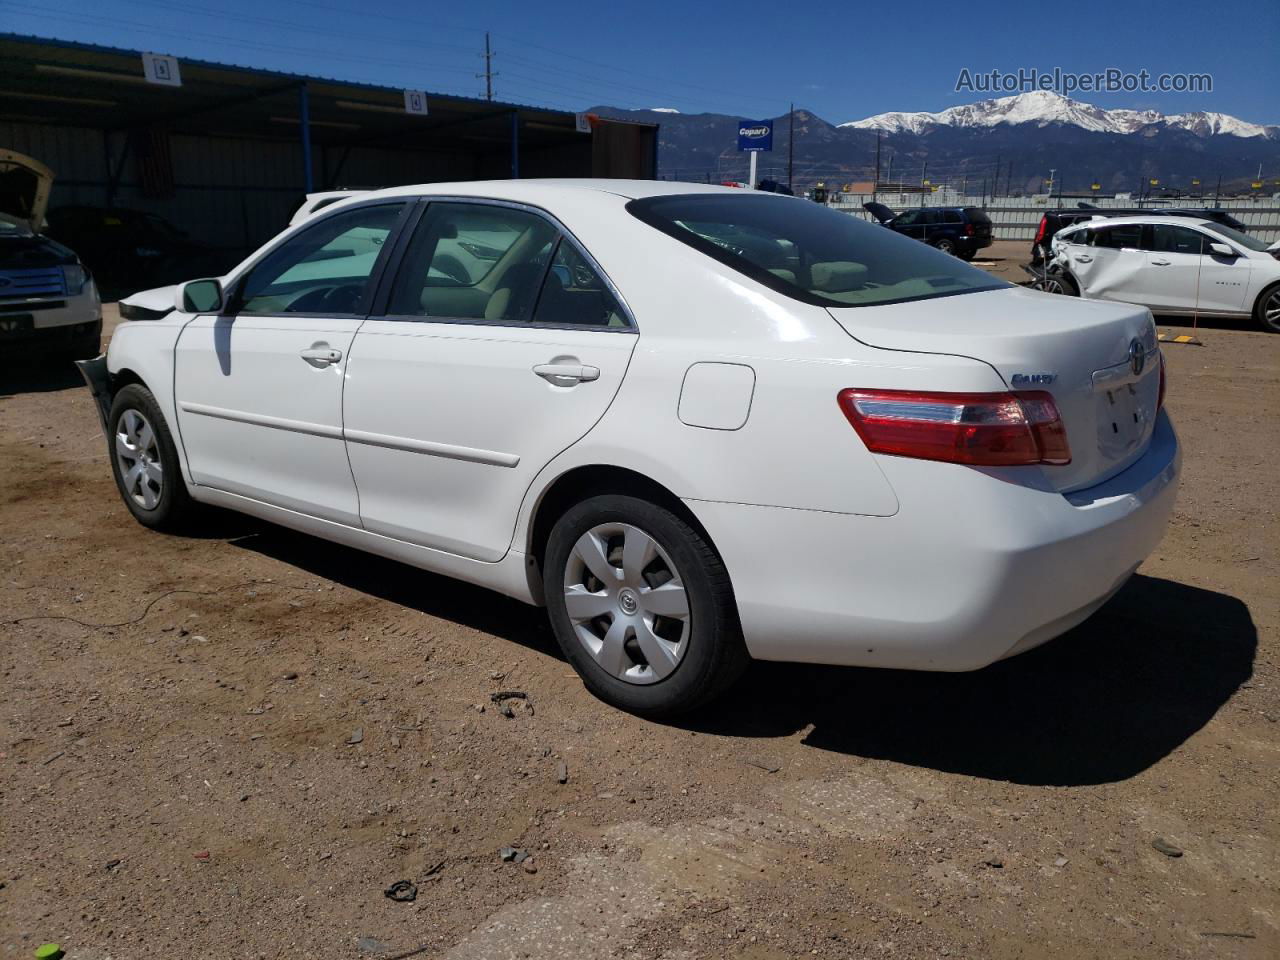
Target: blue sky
(842, 61)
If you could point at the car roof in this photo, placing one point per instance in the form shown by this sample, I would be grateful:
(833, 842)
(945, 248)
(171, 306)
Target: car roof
(1145, 218)
(521, 189)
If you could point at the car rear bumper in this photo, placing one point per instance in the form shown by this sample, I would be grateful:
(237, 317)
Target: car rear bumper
(972, 568)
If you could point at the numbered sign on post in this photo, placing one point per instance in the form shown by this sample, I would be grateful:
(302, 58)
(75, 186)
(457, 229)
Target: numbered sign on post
(415, 101)
(161, 69)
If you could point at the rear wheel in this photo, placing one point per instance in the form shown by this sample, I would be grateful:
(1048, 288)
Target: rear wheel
(642, 606)
(1267, 309)
(967, 255)
(144, 460)
(946, 245)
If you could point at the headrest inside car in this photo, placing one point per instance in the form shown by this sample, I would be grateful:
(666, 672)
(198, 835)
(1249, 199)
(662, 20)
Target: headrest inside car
(838, 276)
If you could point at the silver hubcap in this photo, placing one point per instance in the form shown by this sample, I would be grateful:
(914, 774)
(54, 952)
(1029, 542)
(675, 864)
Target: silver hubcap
(138, 457)
(627, 603)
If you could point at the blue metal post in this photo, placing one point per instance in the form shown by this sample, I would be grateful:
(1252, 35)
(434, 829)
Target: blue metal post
(304, 115)
(515, 144)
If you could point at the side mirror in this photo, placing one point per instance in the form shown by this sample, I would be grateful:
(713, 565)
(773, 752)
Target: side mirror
(1222, 250)
(199, 296)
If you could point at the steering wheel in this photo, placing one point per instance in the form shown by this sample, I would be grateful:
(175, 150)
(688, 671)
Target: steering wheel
(337, 299)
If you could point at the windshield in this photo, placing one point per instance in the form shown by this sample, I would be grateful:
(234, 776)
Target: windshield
(1235, 236)
(810, 253)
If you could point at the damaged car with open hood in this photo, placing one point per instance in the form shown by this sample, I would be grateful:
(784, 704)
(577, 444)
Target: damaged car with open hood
(49, 303)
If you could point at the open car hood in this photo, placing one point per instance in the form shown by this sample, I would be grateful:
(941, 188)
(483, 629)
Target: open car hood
(24, 188)
(879, 211)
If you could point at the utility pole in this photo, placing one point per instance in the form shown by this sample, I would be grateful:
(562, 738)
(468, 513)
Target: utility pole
(889, 177)
(924, 174)
(875, 186)
(791, 150)
(488, 74)
(1217, 190)
(995, 185)
(1009, 181)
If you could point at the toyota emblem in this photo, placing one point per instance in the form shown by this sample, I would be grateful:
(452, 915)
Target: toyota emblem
(1137, 357)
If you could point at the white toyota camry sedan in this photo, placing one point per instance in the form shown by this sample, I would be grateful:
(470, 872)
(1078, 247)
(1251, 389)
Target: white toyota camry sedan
(1173, 265)
(700, 425)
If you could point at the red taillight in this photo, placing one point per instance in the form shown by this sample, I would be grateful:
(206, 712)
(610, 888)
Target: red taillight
(968, 229)
(978, 429)
(1160, 399)
(1044, 224)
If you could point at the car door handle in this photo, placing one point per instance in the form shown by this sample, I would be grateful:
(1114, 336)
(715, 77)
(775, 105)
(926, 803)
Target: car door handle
(1160, 263)
(321, 356)
(1083, 258)
(576, 372)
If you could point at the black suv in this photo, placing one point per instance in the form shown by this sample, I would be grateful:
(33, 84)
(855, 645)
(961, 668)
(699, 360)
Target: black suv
(1055, 220)
(961, 231)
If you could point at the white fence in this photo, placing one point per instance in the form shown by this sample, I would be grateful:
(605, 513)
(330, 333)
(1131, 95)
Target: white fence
(1016, 218)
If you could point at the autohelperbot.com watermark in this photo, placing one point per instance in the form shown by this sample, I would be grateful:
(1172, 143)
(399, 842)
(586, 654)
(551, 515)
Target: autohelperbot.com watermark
(1066, 82)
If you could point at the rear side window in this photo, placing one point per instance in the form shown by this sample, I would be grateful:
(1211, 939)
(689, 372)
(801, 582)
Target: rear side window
(951, 216)
(977, 216)
(809, 252)
(574, 295)
(1126, 235)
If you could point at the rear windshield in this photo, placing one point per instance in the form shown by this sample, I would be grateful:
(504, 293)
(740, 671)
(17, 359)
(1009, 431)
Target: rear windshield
(811, 253)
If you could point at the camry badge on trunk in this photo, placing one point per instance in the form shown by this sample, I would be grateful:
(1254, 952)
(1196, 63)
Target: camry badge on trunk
(1027, 379)
(1137, 357)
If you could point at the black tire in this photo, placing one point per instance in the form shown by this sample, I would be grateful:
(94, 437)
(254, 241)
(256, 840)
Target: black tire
(1260, 308)
(967, 255)
(173, 509)
(714, 656)
(946, 245)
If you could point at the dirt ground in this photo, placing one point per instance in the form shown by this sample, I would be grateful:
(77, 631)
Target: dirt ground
(229, 745)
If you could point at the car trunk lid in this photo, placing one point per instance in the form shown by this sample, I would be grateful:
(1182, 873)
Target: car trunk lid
(1081, 352)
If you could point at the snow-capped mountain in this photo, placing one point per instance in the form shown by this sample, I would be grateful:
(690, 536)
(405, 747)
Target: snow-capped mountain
(1043, 108)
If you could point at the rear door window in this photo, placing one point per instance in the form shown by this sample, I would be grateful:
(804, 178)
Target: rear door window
(809, 252)
(1118, 237)
(951, 216)
(473, 261)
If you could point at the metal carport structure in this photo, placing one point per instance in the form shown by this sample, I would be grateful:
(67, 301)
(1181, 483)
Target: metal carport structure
(229, 153)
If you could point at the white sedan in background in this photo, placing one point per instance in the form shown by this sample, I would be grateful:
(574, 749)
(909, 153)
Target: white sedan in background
(1172, 265)
(698, 424)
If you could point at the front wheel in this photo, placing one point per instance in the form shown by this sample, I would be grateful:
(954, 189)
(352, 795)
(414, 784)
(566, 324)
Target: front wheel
(1267, 310)
(641, 606)
(1060, 284)
(144, 460)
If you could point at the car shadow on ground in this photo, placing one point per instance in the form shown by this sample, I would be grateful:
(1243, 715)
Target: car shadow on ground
(1098, 705)
(407, 586)
(38, 375)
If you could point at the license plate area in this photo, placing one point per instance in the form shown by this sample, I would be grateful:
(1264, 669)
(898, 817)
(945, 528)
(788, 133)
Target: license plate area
(16, 324)
(1125, 406)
